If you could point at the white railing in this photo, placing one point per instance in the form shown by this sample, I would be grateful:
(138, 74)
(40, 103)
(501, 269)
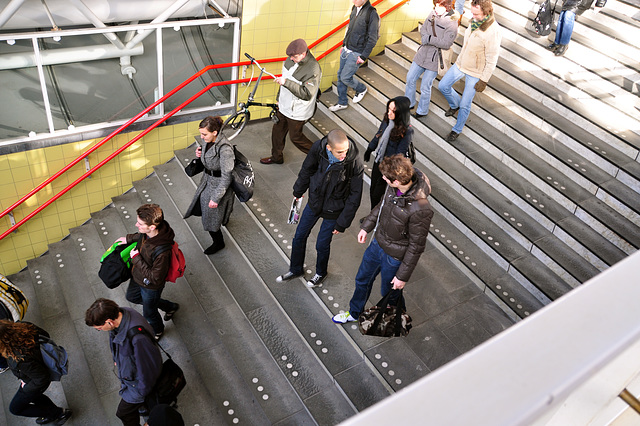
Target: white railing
(564, 365)
(38, 58)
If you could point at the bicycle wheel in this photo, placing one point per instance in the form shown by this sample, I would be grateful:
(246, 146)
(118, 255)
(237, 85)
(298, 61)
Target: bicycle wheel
(234, 124)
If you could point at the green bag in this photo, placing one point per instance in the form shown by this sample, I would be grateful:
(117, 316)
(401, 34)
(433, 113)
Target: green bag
(124, 254)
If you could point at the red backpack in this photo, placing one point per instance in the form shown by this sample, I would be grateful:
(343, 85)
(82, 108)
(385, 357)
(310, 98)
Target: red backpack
(178, 264)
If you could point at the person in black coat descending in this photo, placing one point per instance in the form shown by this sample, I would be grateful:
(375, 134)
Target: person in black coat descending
(332, 172)
(19, 345)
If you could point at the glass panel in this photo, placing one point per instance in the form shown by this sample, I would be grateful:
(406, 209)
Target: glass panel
(95, 91)
(189, 50)
(21, 96)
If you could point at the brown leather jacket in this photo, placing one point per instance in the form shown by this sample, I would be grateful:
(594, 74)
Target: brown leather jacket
(404, 223)
(148, 272)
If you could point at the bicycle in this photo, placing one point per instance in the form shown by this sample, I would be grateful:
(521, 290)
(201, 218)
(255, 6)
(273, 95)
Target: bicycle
(236, 122)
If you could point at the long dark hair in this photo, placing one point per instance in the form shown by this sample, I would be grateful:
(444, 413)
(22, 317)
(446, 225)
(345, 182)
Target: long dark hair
(16, 338)
(401, 122)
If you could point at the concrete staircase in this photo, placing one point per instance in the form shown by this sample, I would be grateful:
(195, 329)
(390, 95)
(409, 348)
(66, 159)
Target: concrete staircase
(539, 194)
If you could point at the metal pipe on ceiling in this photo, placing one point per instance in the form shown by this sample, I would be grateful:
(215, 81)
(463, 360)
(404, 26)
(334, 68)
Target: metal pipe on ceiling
(88, 13)
(9, 10)
(67, 55)
(161, 18)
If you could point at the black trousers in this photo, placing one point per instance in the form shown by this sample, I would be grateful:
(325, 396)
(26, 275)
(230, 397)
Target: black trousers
(128, 413)
(378, 185)
(33, 404)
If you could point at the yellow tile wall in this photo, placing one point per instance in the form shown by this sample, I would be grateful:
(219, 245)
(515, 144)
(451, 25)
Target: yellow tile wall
(268, 26)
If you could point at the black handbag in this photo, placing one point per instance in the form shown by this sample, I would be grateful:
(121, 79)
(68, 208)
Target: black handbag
(384, 320)
(194, 167)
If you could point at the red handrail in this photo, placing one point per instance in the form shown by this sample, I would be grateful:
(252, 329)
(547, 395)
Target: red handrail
(156, 124)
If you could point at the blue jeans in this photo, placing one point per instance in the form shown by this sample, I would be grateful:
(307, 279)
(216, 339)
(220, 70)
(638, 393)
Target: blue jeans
(323, 242)
(374, 261)
(564, 28)
(425, 88)
(348, 68)
(151, 302)
(455, 101)
(460, 6)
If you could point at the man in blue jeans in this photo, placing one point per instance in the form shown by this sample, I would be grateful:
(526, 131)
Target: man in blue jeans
(400, 224)
(476, 62)
(359, 40)
(332, 172)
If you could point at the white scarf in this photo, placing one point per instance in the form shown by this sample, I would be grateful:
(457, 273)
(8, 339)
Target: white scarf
(384, 140)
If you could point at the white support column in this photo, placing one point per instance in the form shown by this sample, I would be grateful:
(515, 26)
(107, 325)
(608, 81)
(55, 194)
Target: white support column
(160, 108)
(43, 84)
(235, 52)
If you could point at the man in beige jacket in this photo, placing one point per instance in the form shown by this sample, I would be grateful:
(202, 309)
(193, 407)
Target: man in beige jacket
(476, 62)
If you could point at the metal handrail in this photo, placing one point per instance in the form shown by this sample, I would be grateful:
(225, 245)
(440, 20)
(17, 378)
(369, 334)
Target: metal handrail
(157, 123)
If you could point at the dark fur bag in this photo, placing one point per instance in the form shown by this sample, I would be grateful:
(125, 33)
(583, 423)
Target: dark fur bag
(384, 320)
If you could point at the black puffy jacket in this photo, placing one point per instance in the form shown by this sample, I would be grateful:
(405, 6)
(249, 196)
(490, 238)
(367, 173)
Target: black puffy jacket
(334, 190)
(404, 223)
(579, 6)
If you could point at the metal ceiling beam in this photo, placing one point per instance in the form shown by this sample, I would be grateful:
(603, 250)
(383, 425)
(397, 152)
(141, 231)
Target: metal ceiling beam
(9, 10)
(88, 13)
(161, 18)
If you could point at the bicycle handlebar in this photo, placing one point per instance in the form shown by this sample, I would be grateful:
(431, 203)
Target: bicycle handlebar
(249, 57)
(253, 61)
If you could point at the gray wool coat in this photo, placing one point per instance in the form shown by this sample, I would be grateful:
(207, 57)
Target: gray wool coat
(446, 28)
(218, 157)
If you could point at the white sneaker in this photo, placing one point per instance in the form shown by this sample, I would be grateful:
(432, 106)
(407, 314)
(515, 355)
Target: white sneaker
(337, 107)
(316, 280)
(343, 317)
(358, 96)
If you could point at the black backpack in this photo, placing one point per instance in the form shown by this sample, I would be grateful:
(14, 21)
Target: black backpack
(544, 19)
(171, 380)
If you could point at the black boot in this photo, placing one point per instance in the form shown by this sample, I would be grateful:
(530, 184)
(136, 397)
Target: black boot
(552, 47)
(218, 242)
(560, 49)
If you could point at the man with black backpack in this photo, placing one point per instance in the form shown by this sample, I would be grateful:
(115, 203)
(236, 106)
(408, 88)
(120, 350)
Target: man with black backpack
(151, 260)
(135, 354)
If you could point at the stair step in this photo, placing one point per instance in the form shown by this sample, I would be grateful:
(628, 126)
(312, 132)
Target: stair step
(79, 388)
(623, 227)
(264, 317)
(282, 400)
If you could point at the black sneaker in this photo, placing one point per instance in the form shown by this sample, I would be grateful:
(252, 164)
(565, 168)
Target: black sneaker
(62, 418)
(451, 111)
(451, 137)
(288, 276)
(316, 280)
(168, 316)
(44, 420)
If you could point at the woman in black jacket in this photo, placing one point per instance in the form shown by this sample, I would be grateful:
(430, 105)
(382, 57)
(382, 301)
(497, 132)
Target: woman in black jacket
(393, 137)
(564, 29)
(19, 345)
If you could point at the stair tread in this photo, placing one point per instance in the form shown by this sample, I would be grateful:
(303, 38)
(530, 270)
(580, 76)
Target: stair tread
(543, 169)
(255, 304)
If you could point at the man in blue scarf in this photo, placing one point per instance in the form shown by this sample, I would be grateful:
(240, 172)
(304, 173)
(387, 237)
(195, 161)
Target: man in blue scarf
(332, 172)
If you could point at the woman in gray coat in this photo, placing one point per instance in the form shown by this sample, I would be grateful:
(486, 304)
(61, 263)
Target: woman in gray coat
(214, 197)
(438, 33)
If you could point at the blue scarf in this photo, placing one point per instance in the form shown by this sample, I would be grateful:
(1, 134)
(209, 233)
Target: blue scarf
(332, 159)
